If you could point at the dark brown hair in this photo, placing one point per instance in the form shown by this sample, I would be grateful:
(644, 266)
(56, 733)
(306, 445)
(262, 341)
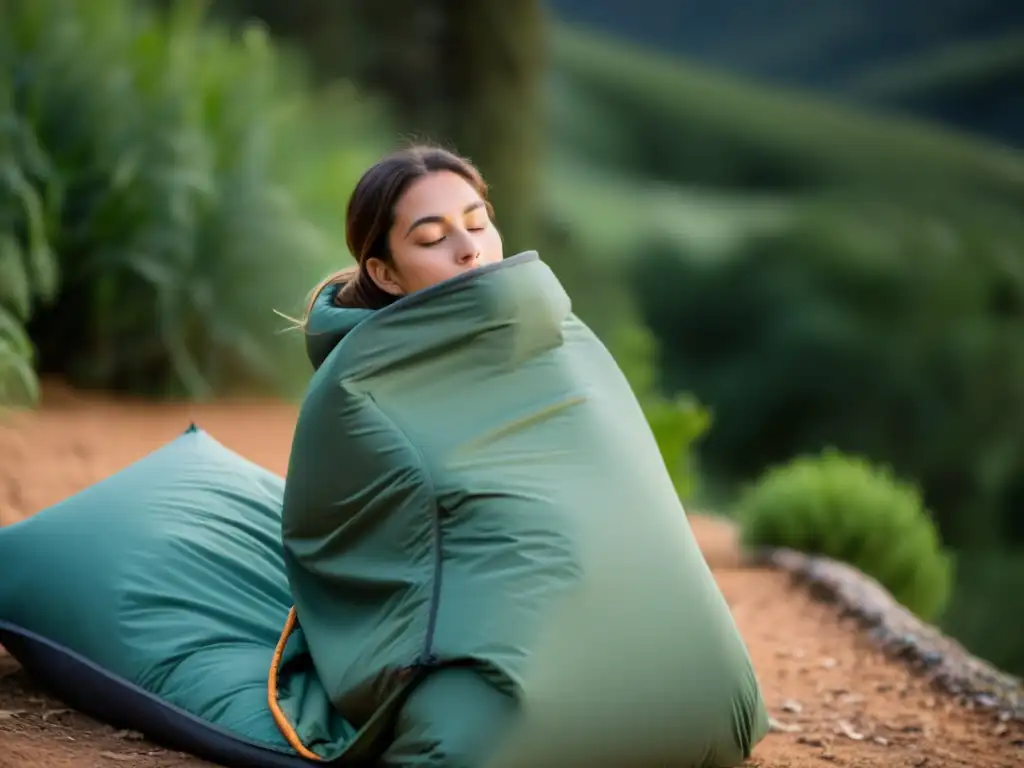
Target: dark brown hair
(371, 214)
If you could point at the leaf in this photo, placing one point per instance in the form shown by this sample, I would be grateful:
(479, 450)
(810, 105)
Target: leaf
(15, 291)
(41, 263)
(13, 333)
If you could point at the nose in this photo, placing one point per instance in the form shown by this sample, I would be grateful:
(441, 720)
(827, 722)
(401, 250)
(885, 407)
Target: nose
(468, 252)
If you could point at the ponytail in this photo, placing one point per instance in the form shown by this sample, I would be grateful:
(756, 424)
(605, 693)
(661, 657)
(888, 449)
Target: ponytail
(358, 291)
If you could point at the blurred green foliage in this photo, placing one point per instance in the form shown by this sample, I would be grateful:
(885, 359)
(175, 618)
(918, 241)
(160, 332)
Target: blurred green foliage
(163, 188)
(845, 508)
(987, 603)
(467, 74)
(892, 331)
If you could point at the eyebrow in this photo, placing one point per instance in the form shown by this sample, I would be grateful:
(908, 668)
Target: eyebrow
(440, 219)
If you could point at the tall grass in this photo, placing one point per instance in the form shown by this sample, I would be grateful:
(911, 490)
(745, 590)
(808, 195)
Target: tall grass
(164, 188)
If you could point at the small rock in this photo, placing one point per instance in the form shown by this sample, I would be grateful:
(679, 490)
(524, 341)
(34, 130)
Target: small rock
(791, 705)
(828, 662)
(986, 700)
(849, 732)
(931, 659)
(881, 741)
(780, 727)
(810, 742)
(129, 735)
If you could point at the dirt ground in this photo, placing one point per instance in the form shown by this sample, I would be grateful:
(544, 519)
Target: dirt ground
(834, 698)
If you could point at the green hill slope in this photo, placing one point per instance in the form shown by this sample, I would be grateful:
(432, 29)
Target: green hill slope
(652, 115)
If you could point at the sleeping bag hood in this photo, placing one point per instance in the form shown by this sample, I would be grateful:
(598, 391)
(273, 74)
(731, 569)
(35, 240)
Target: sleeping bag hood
(472, 482)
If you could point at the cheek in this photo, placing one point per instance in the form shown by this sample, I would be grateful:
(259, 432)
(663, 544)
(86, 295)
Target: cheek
(429, 270)
(491, 246)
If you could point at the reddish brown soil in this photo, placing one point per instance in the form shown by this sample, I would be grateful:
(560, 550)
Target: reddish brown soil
(836, 700)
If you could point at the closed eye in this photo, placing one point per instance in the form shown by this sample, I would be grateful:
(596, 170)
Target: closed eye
(442, 238)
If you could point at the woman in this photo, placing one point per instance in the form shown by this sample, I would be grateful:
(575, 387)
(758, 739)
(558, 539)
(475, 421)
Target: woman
(477, 521)
(416, 218)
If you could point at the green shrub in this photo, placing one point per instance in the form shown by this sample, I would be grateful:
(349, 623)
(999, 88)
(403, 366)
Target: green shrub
(163, 189)
(845, 508)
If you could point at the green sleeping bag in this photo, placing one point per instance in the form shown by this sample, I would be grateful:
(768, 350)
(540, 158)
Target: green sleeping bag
(489, 563)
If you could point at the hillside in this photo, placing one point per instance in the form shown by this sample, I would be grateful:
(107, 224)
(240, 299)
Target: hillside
(972, 86)
(831, 46)
(834, 692)
(657, 116)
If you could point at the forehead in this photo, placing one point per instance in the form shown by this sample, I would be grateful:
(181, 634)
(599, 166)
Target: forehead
(441, 193)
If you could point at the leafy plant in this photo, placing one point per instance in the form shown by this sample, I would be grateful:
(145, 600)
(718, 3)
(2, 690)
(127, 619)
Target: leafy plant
(844, 507)
(163, 189)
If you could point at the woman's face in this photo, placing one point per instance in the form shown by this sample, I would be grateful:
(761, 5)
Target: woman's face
(441, 229)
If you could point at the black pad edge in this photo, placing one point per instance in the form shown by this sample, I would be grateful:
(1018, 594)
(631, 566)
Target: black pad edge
(86, 687)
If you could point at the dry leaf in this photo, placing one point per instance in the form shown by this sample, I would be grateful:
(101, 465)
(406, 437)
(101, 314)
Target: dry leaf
(849, 732)
(780, 727)
(54, 712)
